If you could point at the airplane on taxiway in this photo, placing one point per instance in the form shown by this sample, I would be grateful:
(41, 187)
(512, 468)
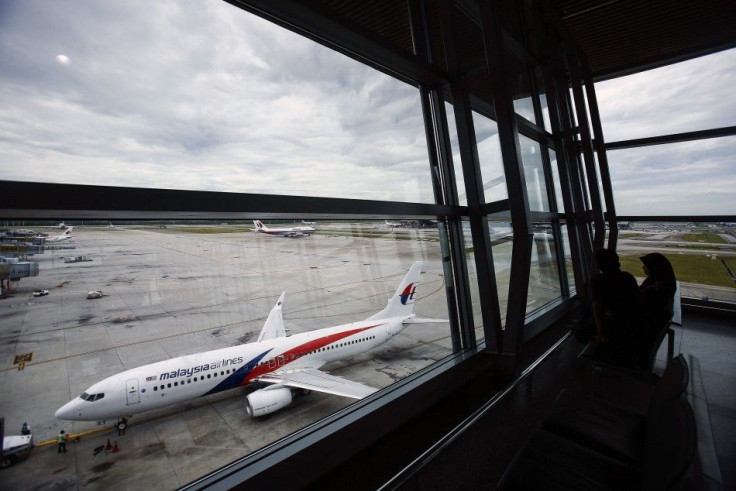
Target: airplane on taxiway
(66, 235)
(284, 231)
(286, 365)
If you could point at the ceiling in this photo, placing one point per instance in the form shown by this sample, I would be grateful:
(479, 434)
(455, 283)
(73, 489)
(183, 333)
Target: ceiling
(618, 37)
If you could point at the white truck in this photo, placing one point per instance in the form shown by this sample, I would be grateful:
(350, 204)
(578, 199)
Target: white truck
(15, 448)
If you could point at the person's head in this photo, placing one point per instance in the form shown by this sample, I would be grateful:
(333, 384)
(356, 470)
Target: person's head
(658, 267)
(607, 260)
(62, 432)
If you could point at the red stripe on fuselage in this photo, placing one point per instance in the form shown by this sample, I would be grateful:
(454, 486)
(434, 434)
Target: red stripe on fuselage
(298, 352)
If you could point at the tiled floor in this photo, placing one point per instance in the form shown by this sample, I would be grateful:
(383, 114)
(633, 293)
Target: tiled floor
(713, 341)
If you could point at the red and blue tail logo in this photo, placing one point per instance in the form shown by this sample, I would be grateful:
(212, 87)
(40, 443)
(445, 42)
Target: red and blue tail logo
(408, 293)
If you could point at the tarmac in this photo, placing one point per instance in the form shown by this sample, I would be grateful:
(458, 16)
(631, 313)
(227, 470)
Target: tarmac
(183, 290)
(169, 292)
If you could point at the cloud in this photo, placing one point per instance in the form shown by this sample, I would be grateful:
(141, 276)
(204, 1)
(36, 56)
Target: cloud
(202, 95)
(199, 96)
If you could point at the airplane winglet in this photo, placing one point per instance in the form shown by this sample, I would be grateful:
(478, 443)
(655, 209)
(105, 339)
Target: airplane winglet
(274, 326)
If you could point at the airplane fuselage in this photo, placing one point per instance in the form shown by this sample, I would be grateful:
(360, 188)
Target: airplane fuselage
(191, 376)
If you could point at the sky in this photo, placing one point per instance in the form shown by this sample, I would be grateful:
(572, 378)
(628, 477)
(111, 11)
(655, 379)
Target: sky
(200, 95)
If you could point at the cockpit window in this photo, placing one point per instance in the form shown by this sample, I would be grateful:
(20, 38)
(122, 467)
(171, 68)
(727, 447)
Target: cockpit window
(91, 397)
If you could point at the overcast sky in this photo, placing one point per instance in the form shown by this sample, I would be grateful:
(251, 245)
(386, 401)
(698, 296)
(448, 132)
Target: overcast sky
(200, 95)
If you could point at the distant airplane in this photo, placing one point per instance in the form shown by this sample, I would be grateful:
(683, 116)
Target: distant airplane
(66, 235)
(61, 225)
(284, 232)
(286, 365)
(308, 223)
(392, 224)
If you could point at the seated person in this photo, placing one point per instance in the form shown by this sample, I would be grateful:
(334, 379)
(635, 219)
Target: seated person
(613, 311)
(656, 295)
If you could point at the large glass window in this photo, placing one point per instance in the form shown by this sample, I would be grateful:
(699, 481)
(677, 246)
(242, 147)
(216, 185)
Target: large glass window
(691, 178)
(181, 289)
(693, 95)
(200, 96)
(702, 255)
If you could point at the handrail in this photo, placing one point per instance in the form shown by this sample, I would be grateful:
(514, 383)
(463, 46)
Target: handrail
(403, 475)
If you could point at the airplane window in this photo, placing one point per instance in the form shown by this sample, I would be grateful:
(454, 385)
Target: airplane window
(99, 396)
(222, 373)
(189, 381)
(176, 384)
(84, 396)
(215, 374)
(155, 388)
(209, 376)
(168, 385)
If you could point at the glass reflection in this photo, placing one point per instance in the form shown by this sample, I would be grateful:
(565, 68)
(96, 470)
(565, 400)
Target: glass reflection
(491, 160)
(544, 274)
(534, 173)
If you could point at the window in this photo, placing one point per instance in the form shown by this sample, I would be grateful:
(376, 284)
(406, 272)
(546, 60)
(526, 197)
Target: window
(689, 96)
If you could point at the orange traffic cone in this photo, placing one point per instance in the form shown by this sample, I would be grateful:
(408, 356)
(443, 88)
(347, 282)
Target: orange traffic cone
(108, 447)
(115, 448)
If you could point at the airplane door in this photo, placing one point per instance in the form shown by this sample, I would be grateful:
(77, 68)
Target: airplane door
(131, 392)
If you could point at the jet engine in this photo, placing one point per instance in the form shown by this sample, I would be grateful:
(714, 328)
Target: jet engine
(267, 401)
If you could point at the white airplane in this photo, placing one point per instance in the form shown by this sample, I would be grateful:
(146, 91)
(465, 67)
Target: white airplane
(284, 232)
(285, 365)
(308, 223)
(66, 235)
(392, 224)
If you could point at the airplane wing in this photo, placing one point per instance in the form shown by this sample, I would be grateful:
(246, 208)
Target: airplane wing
(274, 325)
(313, 379)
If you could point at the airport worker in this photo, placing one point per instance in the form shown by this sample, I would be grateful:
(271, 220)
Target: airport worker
(61, 440)
(25, 429)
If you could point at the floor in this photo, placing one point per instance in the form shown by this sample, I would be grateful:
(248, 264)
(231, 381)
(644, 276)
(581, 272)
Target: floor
(477, 458)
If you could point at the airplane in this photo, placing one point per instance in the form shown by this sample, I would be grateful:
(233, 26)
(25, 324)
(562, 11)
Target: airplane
(284, 232)
(66, 235)
(285, 365)
(392, 224)
(308, 223)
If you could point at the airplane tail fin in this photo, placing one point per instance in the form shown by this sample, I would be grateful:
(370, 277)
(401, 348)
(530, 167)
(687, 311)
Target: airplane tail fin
(68, 230)
(401, 304)
(274, 326)
(259, 225)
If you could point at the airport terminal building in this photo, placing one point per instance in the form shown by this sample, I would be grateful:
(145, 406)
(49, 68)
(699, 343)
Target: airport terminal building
(238, 173)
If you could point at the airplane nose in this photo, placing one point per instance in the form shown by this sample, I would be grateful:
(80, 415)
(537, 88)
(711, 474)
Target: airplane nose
(67, 411)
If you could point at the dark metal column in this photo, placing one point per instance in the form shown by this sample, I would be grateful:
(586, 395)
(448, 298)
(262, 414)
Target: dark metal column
(514, 170)
(587, 148)
(600, 149)
(455, 268)
(487, 289)
(568, 162)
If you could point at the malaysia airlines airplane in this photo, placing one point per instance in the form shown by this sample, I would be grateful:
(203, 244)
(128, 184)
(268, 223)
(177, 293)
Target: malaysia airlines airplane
(284, 232)
(66, 235)
(285, 365)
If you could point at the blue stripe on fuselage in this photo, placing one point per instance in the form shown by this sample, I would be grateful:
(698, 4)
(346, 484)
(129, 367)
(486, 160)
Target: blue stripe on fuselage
(234, 379)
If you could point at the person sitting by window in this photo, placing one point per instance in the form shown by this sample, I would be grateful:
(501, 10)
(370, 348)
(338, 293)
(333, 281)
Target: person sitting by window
(612, 313)
(656, 295)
